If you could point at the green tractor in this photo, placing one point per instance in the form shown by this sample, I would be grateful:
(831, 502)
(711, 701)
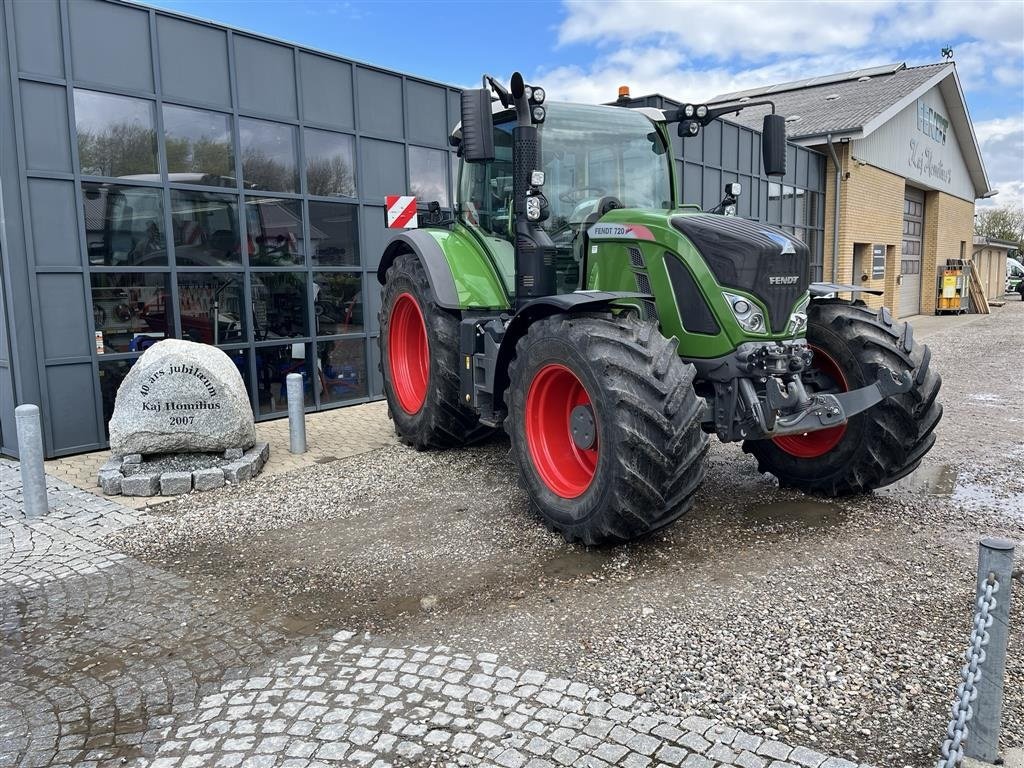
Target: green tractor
(609, 330)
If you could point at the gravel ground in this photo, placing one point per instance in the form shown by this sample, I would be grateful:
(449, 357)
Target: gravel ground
(838, 624)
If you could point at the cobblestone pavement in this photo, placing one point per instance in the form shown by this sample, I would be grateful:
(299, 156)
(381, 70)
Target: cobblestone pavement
(330, 435)
(106, 661)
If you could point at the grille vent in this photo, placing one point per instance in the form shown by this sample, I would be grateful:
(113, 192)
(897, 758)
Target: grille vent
(636, 258)
(643, 283)
(526, 281)
(647, 310)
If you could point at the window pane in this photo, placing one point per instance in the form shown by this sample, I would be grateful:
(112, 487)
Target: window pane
(338, 301)
(208, 295)
(205, 227)
(428, 175)
(341, 366)
(330, 168)
(275, 231)
(112, 373)
(333, 237)
(279, 305)
(273, 364)
(131, 310)
(116, 135)
(124, 226)
(240, 357)
(199, 146)
(268, 155)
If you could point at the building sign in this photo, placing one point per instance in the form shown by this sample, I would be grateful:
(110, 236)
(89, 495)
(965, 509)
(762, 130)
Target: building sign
(931, 123)
(877, 261)
(927, 163)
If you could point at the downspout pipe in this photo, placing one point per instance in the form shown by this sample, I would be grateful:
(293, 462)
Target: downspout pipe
(835, 209)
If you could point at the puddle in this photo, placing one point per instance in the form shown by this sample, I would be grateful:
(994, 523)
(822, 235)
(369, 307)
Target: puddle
(573, 564)
(937, 480)
(808, 513)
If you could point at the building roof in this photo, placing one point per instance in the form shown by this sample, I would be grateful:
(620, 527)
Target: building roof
(852, 105)
(995, 242)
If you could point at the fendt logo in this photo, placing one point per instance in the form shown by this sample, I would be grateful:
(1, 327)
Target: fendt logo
(783, 279)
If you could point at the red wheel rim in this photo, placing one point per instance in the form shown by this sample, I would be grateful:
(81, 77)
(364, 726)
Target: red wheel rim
(811, 445)
(566, 468)
(408, 353)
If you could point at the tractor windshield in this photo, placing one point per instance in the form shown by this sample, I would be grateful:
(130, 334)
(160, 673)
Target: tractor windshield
(591, 152)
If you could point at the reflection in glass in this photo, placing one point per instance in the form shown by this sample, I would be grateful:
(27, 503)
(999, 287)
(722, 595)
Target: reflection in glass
(332, 234)
(112, 373)
(205, 227)
(268, 155)
(341, 368)
(240, 357)
(279, 305)
(131, 310)
(275, 231)
(273, 364)
(428, 175)
(330, 167)
(116, 135)
(124, 226)
(212, 307)
(338, 301)
(199, 146)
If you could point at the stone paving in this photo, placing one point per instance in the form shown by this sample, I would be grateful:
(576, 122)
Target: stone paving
(107, 661)
(330, 435)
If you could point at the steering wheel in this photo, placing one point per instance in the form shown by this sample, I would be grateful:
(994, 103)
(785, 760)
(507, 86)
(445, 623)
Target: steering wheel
(579, 194)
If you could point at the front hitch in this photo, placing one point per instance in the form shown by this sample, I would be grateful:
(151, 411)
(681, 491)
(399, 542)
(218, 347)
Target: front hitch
(828, 410)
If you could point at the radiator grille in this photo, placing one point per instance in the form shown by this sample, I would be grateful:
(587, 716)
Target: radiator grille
(647, 310)
(636, 258)
(643, 283)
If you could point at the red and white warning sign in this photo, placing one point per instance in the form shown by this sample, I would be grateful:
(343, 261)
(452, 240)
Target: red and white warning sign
(400, 211)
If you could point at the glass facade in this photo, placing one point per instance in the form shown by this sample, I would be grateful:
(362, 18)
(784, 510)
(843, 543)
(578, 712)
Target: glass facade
(208, 184)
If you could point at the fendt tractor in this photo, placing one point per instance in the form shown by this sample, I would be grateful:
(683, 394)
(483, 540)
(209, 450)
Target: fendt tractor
(610, 330)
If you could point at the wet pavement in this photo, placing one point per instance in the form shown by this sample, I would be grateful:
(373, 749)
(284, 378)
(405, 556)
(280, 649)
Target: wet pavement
(405, 608)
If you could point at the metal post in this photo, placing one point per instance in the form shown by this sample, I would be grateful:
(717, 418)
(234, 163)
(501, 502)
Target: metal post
(30, 458)
(296, 413)
(995, 556)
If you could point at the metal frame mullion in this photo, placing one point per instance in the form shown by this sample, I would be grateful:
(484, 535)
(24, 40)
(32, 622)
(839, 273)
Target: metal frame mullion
(307, 243)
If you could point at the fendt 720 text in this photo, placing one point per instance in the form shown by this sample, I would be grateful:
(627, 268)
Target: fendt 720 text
(609, 329)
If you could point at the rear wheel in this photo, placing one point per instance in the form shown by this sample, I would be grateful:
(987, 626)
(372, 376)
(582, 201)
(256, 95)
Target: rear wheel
(876, 447)
(419, 355)
(605, 427)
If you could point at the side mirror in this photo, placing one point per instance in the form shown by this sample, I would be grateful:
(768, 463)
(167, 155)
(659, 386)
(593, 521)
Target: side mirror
(477, 126)
(773, 145)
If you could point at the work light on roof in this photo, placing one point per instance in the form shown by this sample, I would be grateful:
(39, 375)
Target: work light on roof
(688, 110)
(702, 111)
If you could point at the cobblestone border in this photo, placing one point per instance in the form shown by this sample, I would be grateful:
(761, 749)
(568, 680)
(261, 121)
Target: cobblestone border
(125, 476)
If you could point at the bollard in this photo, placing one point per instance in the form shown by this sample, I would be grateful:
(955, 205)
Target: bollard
(994, 556)
(30, 459)
(296, 413)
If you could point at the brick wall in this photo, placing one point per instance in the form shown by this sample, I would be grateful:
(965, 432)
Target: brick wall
(870, 212)
(948, 222)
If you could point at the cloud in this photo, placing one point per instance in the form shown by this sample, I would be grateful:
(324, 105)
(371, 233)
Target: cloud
(1002, 146)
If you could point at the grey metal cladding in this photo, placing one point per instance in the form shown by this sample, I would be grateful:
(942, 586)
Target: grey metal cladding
(62, 315)
(266, 77)
(383, 169)
(54, 223)
(326, 91)
(37, 33)
(380, 103)
(44, 114)
(110, 45)
(72, 425)
(193, 62)
(427, 112)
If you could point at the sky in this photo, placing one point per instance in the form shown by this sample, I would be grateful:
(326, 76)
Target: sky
(582, 50)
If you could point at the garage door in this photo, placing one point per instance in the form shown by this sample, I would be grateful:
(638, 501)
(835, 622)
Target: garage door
(910, 253)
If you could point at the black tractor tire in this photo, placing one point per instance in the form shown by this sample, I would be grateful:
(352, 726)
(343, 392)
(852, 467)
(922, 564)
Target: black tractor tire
(644, 416)
(882, 444)
(441, 421)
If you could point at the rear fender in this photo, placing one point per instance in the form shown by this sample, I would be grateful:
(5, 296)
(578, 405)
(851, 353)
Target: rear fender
(460, 274)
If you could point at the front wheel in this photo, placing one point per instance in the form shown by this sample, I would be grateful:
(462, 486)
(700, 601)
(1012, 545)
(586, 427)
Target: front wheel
(874, 448)
(605, 427)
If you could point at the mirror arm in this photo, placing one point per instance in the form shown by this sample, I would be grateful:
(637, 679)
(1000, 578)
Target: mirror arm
(716, 112)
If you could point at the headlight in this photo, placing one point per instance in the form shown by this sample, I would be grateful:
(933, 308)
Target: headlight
(702, 111)
(539, 114)
(798, 320)
(688, 110)
(747, 315)
(533, 208)
(538, 95)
